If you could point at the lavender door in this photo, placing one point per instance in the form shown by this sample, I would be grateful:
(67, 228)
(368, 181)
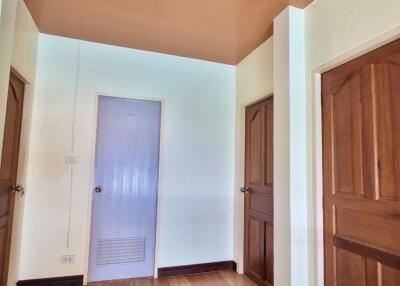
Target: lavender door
(124, 202)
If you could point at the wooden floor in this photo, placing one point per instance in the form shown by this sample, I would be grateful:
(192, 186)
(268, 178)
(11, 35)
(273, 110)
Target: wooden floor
(226, 278)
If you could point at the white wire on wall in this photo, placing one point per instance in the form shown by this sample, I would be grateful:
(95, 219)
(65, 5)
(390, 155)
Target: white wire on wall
(72, 147)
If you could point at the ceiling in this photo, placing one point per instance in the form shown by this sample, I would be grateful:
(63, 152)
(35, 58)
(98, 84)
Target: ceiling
(222, 31)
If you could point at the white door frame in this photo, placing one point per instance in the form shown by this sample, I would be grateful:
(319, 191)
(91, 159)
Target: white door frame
(316, 217)
(92, 178)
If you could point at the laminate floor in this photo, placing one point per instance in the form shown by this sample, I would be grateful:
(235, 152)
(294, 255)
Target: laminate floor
(225, 278)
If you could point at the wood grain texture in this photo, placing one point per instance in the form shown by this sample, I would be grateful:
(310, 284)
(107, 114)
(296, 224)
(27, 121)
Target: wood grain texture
(259, 206)
(376, 254)
(227, 278)
(361, 169)
(8, 169)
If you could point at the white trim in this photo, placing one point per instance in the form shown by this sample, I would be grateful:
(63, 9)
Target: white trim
(92, 178)
(316, 217)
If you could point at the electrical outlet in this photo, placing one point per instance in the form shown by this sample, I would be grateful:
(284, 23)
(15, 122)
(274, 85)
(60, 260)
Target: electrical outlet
(67, 259)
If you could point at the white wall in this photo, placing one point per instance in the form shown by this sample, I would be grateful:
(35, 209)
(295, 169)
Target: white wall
(336, 31)
(197, 152)
(254, 81)
(7, 26)
(26, 37)
(334, 27)
(19, 50)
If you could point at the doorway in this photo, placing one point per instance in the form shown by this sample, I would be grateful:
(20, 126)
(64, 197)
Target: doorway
(258, 192)
(9, 168)
(124, 210)
(361, 169)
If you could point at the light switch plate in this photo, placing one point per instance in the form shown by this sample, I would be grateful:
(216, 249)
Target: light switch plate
(71, 160)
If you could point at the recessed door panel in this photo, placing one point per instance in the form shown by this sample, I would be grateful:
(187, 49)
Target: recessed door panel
(256, 150)
(387, 75)
(124, 201)
(346, 107)
(390, 276)
(269, 253)
(350, 268)
(254, 245)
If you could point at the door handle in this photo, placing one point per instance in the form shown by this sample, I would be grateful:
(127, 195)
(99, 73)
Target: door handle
(245, 190)
(16, 189)
(98, 189)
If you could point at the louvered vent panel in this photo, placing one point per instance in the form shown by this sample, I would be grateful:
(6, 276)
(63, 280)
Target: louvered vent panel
(120, 250)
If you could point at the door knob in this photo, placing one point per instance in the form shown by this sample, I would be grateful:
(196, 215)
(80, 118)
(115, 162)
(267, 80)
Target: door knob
(98, 189)
(245, 190)
(16, 189)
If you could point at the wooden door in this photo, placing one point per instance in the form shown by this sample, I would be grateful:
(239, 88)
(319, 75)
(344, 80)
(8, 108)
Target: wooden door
(258, 254)
(361, 154)
(8, 169)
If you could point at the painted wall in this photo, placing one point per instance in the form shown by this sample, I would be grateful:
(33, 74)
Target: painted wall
(254, 81)
(336, 31)
(7, 26)
(333, 27)
(19, 39)
(197, 152)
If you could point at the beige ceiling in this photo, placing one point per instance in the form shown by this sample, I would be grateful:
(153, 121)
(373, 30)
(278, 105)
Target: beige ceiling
(222, 31)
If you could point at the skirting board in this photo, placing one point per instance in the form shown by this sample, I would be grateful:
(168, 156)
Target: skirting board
(196, 268)
(56, 281)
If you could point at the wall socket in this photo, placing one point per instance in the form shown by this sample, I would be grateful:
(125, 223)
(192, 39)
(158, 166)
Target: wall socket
(67, 259)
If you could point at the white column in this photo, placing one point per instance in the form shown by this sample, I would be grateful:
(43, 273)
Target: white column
(290, 172)
(8, 13)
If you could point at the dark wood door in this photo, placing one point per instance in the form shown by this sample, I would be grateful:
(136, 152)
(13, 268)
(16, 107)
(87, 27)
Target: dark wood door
(8, 169)
(258, 254)
(361, 168)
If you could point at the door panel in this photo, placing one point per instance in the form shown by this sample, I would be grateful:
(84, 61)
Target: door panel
(259, 206)
(124, 212)
(367, 227)
(256, 147)
(361, 161)
(8, 168)
(387, 74)
(254, 246)
(390, 276)
(347, 138)
(351, 268)
(269, 253)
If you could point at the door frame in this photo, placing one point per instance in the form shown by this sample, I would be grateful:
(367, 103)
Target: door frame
(92, 176)
(316, 218)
